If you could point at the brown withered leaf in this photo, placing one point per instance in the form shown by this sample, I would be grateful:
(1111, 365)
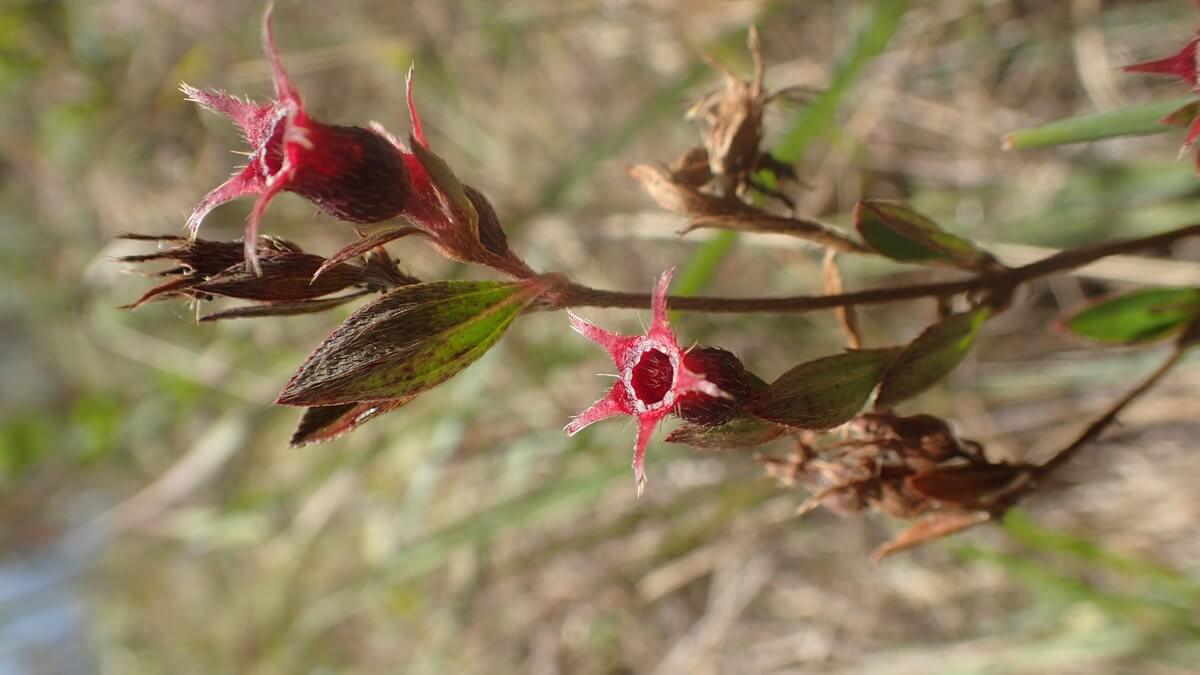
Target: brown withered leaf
(974, 486)
(200, 260)
(285, 277)
(680, 197)
(172, 288)
(931, 527)
(920, 440)
(382, 271)
(846, 315)
(729, 213)
(691, 168)
(750, 219)
(282, 308)
(733, 117)
(321, 424)
(204, 256)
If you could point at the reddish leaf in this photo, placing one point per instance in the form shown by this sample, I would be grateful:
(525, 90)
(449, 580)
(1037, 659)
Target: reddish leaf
(325, 423)
(973, 486)
(364, 245)
(282, 308)
(929, 528)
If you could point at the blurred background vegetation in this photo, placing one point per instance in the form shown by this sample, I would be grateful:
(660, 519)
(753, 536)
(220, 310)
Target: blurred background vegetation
(153, 519)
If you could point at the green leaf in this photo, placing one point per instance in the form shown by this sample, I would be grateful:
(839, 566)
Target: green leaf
(897, 231)
(821, 115)
(742, 431)
(1136, 120)
(1136, 318)
(826, 392)
(410, 340)
(930, 357)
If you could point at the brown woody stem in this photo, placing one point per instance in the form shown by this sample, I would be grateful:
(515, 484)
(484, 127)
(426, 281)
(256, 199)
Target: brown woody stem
(577, 295)
(1106, 420)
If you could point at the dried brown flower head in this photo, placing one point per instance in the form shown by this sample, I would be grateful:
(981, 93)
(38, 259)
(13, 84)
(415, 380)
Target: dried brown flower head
(903, 467)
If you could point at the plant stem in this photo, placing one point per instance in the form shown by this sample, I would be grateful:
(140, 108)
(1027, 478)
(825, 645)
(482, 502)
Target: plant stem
(577, 295)
(1104, 421)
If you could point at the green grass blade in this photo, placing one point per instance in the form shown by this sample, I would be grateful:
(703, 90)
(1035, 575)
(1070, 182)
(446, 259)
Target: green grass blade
(814, 121)
(1137, 120)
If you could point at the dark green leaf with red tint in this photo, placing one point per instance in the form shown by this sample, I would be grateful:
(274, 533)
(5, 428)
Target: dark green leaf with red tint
(931, 357)
(325, 423)
(897, 231)
(410, 340)
(824, 393)
(743, 431)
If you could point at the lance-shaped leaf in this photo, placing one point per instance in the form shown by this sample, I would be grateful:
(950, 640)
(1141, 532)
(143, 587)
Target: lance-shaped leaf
(363, 245)
(282, 308)
(742, 431)
(931, 527)
(449, 186)
(897, 231)
(285, 277)
(410, 340)
(325, 423)
(1141, 119)
(930, 357)
(1137, 317)
(824, 393)
(973, 486)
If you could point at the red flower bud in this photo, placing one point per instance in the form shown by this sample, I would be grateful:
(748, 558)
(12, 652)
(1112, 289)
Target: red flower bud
(723, 369)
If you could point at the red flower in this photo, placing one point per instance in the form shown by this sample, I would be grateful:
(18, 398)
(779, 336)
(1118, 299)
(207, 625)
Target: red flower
(351, 173)
(653, 377)
(1181, 65)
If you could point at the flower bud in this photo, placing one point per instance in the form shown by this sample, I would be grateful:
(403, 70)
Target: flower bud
(723, 369)
(349, 172)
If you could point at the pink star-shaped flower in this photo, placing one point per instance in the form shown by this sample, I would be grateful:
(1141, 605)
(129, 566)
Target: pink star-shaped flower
(652, 377)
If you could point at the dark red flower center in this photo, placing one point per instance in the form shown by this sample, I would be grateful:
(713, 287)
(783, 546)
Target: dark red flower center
(652, 376)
